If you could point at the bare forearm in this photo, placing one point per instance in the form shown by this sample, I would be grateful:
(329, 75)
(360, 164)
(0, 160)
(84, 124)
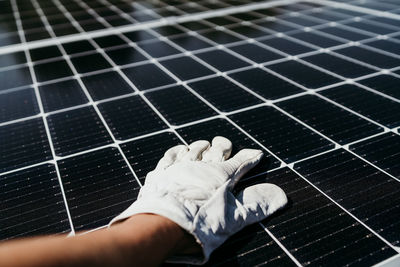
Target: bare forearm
(142, 240)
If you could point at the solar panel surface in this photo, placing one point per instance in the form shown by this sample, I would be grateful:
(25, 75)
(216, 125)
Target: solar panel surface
(93, 92)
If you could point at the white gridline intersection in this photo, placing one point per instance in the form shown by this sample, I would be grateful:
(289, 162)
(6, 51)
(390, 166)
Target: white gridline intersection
(58, 42)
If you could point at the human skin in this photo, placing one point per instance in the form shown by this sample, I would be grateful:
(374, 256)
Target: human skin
(141, 240)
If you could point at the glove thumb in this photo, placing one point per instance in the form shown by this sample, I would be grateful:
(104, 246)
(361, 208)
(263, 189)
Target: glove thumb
(261, 200)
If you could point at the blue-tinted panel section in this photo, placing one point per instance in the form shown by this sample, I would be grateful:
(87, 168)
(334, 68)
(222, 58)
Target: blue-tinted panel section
(106, 85)
(285, 137)
(62, 95)
(265, 83)
(179, 106)
(22, 144)
(15, 78)
(224, 94)
(130, 117)
(366, 192)
(32, 203)
(369, 104)
(307, 76)
(98, 186)
(332, 121)
(77, 130)
(382, 151)
(315, 230)
(18, 104)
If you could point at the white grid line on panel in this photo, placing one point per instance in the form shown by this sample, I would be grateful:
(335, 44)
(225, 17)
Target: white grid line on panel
(356, 8)
(37, 94)
(223, 115)
(292, 117)
(79, 80)
(253, 93)
(173, 129)
(145, 25)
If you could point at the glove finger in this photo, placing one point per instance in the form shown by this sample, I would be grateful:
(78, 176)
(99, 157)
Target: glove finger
(261, 200)
(241, 163)
(171, 155)
(220, 150)
(196, 150)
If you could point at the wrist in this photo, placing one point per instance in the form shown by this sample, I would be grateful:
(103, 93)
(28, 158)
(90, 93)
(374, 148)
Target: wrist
(179, 240)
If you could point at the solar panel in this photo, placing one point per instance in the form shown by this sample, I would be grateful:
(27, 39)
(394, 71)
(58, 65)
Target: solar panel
(92, 93)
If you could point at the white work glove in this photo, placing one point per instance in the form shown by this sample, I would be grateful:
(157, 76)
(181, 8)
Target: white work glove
(192, 187)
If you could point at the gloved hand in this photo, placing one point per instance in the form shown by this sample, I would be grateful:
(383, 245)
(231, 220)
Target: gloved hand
(192, 187)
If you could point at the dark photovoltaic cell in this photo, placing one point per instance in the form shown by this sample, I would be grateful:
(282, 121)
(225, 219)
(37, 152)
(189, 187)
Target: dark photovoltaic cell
(366, 192)
(371, 105)
(108, 41)
(23, 144)
(338, 65)
(191, 25)
(39, 207)
(370, 57)
(276, 26)
(285, 137)
(344, 33)
(338, 124)
(98, 186)
(313, 84)
(106, 85)
(307, 76)
(370, 27)
(186, 68)
(383, 151)
(222, 60)
(316, 39)
(52, 70)
(147, 76)
(167, 30)
(130, 117)
(178, 105)
(89, 63)
(250, 247)
(137, 36)
(15, 78)
(255, 53)
(18, 104)
(221, 21)
(316, 231)
(299, 20)
(61, 95)
(144, 154)
(78, 47)
(220, 37)
(224, 94)
(248, 31)
(76, 130)
(158, 49)
(288, 46)
(123, 56)
(190, 43)
(12, 59)
(45, 53)
(386, 84)
(265, 84)
(386, 45)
